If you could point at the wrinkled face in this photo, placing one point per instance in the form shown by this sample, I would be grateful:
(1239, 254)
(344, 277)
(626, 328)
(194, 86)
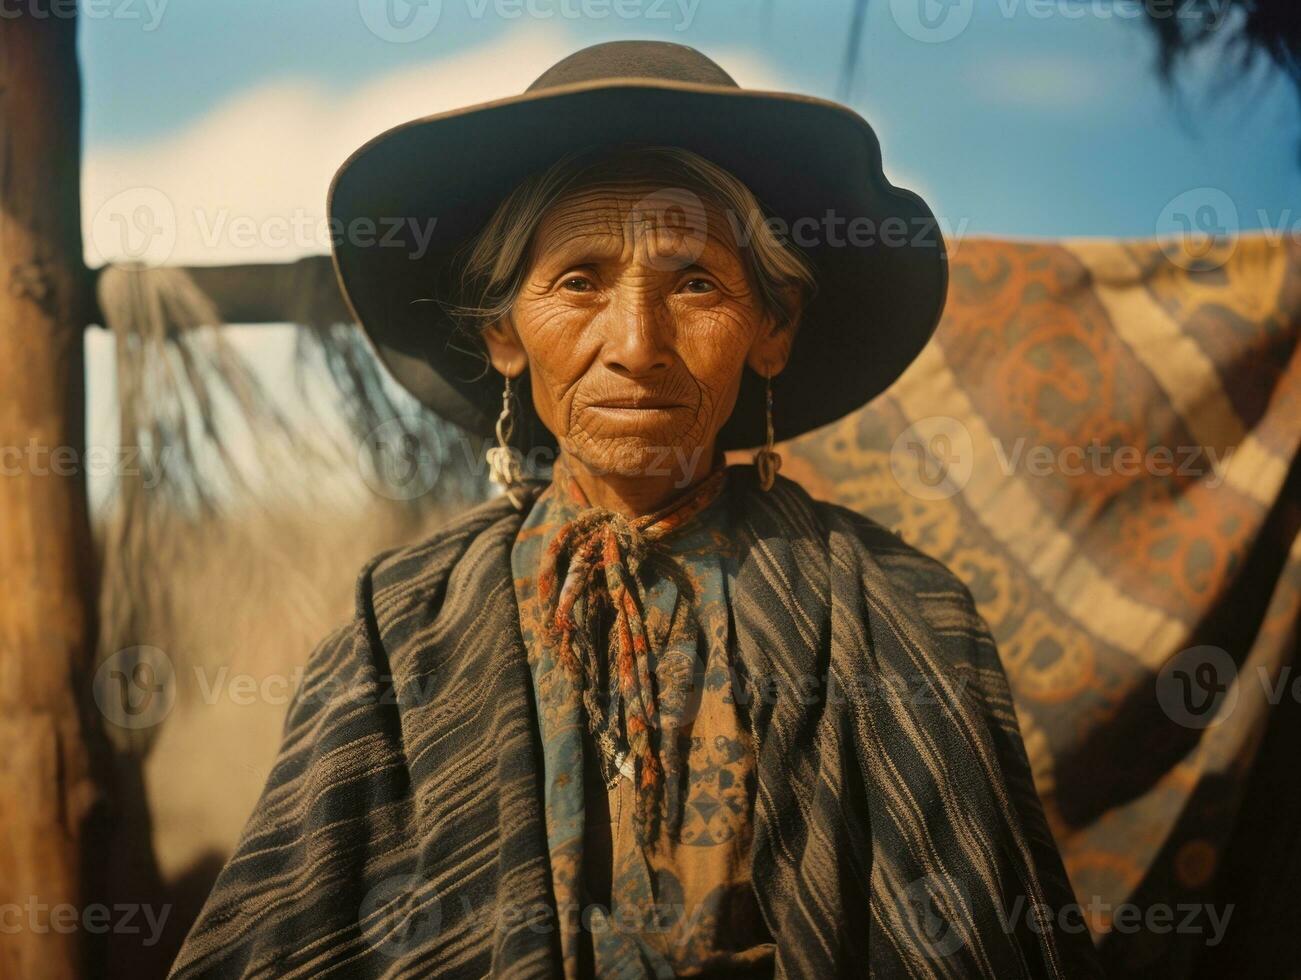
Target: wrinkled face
(636, 319)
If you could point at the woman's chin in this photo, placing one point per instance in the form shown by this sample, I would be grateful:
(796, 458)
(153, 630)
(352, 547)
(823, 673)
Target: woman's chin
(640, 457)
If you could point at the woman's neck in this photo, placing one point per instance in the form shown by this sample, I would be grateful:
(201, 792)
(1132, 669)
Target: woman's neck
(644, 493)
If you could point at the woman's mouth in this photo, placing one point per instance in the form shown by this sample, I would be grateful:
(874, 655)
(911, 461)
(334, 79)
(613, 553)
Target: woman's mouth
(645, 403)
(651, 416)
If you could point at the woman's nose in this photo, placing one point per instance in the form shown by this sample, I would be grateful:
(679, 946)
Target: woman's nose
(639, 337)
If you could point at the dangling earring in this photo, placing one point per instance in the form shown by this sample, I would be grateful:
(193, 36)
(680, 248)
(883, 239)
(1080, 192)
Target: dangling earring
(766, 460)
(503, 460)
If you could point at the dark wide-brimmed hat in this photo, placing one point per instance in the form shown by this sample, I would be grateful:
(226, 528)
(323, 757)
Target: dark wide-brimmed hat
(403, 205)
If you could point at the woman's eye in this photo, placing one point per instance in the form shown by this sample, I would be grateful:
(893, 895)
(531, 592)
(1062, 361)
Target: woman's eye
(697, 286)
(577, 284)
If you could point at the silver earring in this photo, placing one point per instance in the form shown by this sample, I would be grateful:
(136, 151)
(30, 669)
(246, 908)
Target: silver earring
(503, 459)
(768, 461)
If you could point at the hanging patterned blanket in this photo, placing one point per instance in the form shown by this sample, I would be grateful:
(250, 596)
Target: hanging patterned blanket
(1103, 441)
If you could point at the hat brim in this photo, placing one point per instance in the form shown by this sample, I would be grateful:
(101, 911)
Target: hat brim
(405, 202)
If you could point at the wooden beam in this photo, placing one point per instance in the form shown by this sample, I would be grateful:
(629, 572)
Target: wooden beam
(49, 769)
(303, 292)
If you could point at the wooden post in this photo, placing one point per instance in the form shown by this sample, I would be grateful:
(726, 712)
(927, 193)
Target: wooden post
(48, 781)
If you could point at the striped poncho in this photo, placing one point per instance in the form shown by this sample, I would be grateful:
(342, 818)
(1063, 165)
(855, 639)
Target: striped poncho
(896, 828)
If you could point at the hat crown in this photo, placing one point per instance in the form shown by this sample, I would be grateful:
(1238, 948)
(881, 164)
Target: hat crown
(634, 59)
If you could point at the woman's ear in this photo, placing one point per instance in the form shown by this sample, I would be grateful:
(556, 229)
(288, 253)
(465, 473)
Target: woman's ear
(504, 348)
(772, 346)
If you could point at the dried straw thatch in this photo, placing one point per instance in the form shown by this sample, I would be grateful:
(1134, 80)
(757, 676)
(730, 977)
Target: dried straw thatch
(218, 450)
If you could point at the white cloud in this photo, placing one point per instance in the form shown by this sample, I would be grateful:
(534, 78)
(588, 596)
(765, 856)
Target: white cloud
(247, 182)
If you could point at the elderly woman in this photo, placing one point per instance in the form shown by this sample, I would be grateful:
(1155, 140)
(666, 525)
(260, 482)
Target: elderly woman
(660, 715)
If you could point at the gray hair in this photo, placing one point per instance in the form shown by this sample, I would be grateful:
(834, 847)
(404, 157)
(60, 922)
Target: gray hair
(495, 261)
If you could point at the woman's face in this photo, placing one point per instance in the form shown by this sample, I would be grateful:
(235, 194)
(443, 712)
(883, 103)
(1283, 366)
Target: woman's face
(635, 320)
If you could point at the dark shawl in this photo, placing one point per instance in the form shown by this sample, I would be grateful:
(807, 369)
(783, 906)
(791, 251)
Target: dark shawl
(401, 832)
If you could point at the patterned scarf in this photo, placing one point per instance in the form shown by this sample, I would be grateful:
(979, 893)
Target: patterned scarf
(588, 586)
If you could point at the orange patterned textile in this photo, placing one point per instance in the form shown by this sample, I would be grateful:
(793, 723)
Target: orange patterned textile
(1102, 443)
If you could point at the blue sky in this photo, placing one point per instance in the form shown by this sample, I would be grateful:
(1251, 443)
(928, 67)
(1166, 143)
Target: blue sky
(1039, 118)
